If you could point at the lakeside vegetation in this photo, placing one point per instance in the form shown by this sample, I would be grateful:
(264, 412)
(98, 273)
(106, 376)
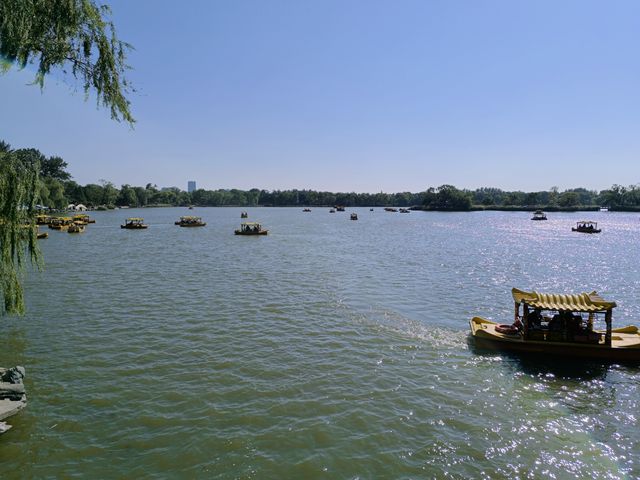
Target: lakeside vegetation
(57, 190)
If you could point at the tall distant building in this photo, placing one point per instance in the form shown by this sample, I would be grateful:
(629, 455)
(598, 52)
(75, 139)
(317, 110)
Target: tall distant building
(191, 186)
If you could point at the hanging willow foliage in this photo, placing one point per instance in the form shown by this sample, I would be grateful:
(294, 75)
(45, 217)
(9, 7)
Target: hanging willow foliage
(18, 231)
(73, 35)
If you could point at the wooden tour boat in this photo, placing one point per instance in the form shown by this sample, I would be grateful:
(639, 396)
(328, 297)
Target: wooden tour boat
(390, 209)
(84, 218)
(244, 215)
(339, 208)
(60, 223)
(354, 216)
(76, 227)
(560, 325)
(251, 228)
(43, 219)
(190, 221)
(134, 223)
(586, 226)
(539, 215)
(405, 210)
(306, 210)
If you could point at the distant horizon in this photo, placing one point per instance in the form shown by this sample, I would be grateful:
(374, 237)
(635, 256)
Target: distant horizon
(198, 187)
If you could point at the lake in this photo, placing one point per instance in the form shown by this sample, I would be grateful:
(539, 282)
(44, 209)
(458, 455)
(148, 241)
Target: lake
(328, 349)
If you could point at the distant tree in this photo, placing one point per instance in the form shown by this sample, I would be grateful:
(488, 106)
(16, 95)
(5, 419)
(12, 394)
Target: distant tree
(448, 197)
(631, 197)
(74, 192)
(109, 193)
(127, 197)
(612, 197)
(568, 199)
(532, 199)
(55, 193)
(515, 198)
(585, 197)
(142, 196)
(54, 167)
(93, 193)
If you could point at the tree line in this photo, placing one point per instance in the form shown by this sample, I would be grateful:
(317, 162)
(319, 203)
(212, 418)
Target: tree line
(57, 190)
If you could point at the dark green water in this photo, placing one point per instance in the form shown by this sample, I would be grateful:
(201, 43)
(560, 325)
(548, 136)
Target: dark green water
(328, 349)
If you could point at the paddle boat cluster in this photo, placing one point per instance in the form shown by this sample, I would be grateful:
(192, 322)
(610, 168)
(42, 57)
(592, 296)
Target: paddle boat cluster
(75, 224)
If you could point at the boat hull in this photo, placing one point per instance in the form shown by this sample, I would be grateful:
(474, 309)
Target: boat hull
(581, 230)
(261, 232)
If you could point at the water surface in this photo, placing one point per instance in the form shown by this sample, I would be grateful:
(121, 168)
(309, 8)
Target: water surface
(328, 349)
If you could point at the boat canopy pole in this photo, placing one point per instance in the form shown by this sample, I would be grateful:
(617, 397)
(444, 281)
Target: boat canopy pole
(607, 336)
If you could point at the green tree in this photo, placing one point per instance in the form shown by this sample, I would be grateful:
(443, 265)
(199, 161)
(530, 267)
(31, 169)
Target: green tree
(18, 198)
(74, 192)
(448, 197)
(73, 36)
(141, 195)
(532, 199)
(568, 199)
(109, 193)
(553, 196)
(54, 167)
(57, 198)
(30, 156)
(93, 194)
(127, 197)
(612, 197)
(632, 196)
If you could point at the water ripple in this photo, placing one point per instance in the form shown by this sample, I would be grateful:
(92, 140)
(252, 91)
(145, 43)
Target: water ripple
(328, 349)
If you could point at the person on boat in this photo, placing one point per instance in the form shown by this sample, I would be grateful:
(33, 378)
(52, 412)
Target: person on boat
(555, 323)
(574, 323)
(535, 319)
(517, 325)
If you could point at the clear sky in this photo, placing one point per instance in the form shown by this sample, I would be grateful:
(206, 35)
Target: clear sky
(355, 95)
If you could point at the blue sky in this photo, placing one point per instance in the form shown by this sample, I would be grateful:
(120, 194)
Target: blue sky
(350, 95)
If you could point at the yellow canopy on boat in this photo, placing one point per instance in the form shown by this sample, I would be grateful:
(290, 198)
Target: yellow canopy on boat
(581, 302)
